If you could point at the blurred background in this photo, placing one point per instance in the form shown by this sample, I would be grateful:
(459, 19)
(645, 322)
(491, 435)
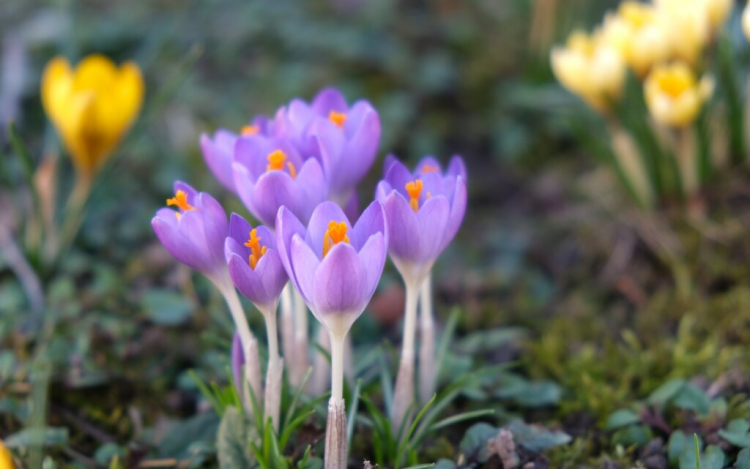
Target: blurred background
(550, 244)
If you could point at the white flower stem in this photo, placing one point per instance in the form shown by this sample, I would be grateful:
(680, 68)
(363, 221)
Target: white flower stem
(249, 343)
(274, 372)
(301, 360)
(427, 370)
(337, 365)
(287, 333)
(336, 439)
(403, 395)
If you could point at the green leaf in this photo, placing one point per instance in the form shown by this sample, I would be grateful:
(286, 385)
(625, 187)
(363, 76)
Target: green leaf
(177, 443)
(232, 441)
(743, 459)
(457, 418)
(678, 443)
(474, 442)
(666, 391)
(527, 393)
(633, 435)
(536, 438)
(622, 418)
(712, 458)
(483, 341)
(167, 307)
(737, 433)
(49, 436)
(690, 397)
(445, 464)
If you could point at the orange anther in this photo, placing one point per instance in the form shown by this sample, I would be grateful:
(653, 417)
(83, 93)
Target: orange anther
(338, 118)
(335, 234)
(414, 189)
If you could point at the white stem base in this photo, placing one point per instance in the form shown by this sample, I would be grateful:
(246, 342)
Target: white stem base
(427, 370)
(336, 443)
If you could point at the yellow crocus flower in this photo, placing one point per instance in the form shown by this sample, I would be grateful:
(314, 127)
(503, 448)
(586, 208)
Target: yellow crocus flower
(746, 21)
(636, 31)
(92, 106)
(6, 459)
(674, 96)
(590, 68)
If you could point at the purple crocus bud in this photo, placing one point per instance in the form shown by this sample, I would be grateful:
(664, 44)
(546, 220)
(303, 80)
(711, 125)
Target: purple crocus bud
(218, 150)
(194, 233)
(424, 209)
(348, 136)
(335, 266)
(269, 172)
(254, 263)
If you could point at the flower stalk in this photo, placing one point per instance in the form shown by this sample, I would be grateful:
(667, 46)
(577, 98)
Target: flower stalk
(287, 333)
(427, 371)
(300, 347)
(403, 396)
(275, 370)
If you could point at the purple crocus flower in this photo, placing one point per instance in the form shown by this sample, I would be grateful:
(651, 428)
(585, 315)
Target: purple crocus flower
(424, 209)
(194, 233)
(219, 149)
(254, 263)
(348, 136)
(334, 266)
(269, 172)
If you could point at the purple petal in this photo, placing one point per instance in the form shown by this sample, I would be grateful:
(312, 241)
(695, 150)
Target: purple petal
(287, 225)
(247, 280)
(329, 99)
(239, 228)
(340, 282)
(232, 246)
(432, 219)
(359, 153)
(313, 188)
(316, 229)
(330, 141)
(188, 189)
(215, 223)
(403, 229)
(457, 167)
(218, 156)
(179, 246)
(389, 160)
(351, 207)
(245, 187)
(382, 191)
(272, 274)
(373, 255)
(372, 221)
(398, 176)
(273, 190)
(304, 263)
(428, 165)
(457, 211)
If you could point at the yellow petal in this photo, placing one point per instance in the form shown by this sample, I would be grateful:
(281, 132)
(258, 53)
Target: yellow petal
(95, 73)
(6, 459)
(57, 84)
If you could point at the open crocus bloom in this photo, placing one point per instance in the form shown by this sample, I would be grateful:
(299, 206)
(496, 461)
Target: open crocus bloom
(194, 231)
(254, 263)
(219, 149)
(269, 173)
(424, 210)
(674, 96)
(335, 266)
(348, 136)
(92, 106)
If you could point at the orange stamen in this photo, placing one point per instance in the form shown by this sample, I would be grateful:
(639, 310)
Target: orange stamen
(338, 118)
(414, 189)
(250, 130)
(256, 250)
(429, 168)
(181, 201)
(335, 234)
(276, 160)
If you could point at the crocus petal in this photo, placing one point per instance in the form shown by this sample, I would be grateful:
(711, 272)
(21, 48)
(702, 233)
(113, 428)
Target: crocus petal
(273, 190)
(247, 281)
(239, 228)
(178, 245)
(403, 229)
(287, 225)
(351, 207)
(359, 153)
(373, 255)
(340, 282)
(432, 218)
(304, 263)
(245, 187)
(218, 156)
(457, 167)
(457, 211)
(316, 229)
(313, 187)
(329, 99)
(371, 221)
(428, 164)
(331, 141)
(187, 189)
(389, 160)
(272, 274)
(382, 191)
(398, 176)
(214, 222)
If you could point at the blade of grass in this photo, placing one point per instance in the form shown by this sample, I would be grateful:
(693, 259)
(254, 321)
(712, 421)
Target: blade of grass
(353, 411)
(386, 383)
(453, 419)
(295, 399)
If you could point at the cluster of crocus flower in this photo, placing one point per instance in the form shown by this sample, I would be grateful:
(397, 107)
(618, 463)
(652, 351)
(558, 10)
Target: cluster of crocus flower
(664, 43)
(297, 173)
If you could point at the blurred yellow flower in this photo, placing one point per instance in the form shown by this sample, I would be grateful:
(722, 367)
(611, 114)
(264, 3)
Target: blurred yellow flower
(590, 68)
(746, 21)
(673, 94)
(637, 32)
(92, 107)
(6, 459)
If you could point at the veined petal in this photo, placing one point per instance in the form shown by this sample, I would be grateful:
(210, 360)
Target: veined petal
(327, 100)
(274, 190)
(340, 282)
(457, 211)
(316, 229)
(403, 228)
(370, 222)
(432, 218)
(287, 225)
(373, 255)
(304, 263)
(247, 281)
